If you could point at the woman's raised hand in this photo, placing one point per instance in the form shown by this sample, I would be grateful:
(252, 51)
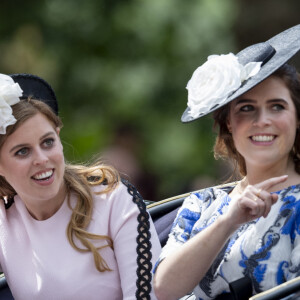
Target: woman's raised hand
(254, 202)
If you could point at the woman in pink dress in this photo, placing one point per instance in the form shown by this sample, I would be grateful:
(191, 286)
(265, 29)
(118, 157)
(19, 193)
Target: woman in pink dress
(66, 231)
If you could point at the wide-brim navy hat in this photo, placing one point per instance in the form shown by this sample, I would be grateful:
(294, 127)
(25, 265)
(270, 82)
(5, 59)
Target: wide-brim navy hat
(272, 54)
(36, 88)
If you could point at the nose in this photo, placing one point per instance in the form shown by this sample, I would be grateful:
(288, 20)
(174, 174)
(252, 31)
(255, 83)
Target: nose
(40, 158)
(262, 119)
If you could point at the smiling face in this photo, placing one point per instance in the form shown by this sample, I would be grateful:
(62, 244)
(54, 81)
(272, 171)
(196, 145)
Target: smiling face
(32, 162)
(263, 124)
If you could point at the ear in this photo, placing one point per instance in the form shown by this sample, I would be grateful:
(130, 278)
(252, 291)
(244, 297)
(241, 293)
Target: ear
(228, 125)
(57, 129)
(1, 171)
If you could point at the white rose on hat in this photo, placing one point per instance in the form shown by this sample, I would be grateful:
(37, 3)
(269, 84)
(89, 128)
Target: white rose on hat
(213, 82)
(9, 95)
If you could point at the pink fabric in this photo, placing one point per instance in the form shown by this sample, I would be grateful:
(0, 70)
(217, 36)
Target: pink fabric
(39, 263)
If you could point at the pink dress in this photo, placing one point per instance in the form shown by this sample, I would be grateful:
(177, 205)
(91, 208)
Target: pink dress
(39, 263)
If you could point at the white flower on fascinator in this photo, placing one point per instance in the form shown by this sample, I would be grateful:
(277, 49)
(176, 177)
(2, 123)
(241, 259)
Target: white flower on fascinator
(9, 95)
(213, 82)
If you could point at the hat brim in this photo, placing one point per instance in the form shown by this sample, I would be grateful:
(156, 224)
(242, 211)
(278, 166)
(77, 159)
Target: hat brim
(278, 50)
(37, 88)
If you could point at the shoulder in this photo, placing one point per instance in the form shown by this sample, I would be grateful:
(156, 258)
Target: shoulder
(288, 204)
(211, 193)
(198, 202)
(204, 198)
(2, 209)
(8, 209)
(123, 197)
(293, 190)
(134, 193)
(123, 188)
(290, 197)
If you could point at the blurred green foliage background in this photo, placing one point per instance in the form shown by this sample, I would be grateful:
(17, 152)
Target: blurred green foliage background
(119, 69)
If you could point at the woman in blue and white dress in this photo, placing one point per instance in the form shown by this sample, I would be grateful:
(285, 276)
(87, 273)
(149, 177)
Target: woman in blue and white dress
(251, 233)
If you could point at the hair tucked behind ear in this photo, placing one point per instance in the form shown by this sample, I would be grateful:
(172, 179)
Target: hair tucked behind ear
(78, 179)
(224, 145)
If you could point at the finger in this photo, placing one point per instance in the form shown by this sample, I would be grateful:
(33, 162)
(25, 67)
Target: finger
(259, 209)
(268, 206)
(267, 199)
(271, 182)
(274, 198)
(251, 205)
(258, 192)
(251, 191)
(257, 205)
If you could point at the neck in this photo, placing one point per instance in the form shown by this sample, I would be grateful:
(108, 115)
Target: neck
(257, 174)
(45, 210)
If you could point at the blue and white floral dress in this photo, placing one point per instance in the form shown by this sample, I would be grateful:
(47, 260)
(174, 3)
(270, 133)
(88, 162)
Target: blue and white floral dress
(265, 250)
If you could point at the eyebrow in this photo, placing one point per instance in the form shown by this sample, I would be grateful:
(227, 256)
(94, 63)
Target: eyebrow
(241, 101)
(25, 145)
(276, 100)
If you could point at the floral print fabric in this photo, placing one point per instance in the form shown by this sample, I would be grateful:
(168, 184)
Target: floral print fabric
(266, 250)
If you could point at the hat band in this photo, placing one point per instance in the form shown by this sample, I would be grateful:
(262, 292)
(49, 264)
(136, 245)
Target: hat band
(267, 54)
(261, 52)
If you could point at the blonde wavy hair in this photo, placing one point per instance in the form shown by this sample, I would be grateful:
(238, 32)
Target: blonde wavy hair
(78, 180)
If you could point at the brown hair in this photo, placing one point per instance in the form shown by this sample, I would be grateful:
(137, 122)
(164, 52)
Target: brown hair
(78, 180)
(224, 146)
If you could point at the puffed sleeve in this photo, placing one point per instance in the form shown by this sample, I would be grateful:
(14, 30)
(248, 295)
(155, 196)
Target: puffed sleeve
(136, 244)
